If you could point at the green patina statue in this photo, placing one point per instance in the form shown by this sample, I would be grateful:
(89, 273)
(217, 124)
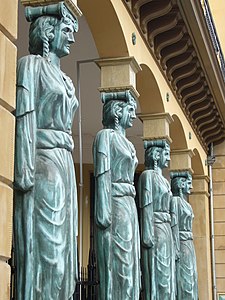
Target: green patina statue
(186, 269)
(115, 210)
(46, 196)
(157, 247)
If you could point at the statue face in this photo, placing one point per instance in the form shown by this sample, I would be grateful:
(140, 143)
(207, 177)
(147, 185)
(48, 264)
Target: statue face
(164, 158)
(62, 40)
(128, 115)
(188, 186)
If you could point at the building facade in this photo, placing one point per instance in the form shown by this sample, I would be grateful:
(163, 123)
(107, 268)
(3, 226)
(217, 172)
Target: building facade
(169, 54)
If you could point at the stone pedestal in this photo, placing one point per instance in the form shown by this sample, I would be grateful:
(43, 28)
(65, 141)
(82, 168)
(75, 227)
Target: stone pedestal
(156, 126)
(118, 74)
(181, 160)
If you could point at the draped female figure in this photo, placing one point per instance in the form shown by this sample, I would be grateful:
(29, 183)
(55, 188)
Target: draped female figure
(186, 267)
(157, 249)
(116, 219)
(45, 184)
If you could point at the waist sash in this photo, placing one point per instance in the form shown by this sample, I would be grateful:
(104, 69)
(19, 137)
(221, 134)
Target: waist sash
(49, 139)
(123, 189)
(185, 235)
(162, 217)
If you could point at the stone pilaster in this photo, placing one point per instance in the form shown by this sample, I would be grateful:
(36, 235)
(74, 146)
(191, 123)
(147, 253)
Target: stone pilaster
(199, 200)
(8, 54)
(218, 174)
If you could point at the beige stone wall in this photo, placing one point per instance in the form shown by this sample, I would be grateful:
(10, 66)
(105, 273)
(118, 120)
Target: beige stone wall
(219, 215)
(8, 52)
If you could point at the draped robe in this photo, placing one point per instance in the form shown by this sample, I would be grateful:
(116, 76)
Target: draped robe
(46, 197)
(116, 218)
(186, 266)
(157, 248)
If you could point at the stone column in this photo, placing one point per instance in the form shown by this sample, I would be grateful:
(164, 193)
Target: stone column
(199, 200)
(8, 53)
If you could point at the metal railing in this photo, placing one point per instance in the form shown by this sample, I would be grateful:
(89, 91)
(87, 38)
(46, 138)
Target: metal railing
(87, 285)
(213, 35)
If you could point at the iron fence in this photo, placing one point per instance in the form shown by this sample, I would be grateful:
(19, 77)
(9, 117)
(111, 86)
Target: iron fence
(213, 35)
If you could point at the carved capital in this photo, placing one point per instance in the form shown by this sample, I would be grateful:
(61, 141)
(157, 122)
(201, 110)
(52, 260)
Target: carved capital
(71, 5)
(125, 95)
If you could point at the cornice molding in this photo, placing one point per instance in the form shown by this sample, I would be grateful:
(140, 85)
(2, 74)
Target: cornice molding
(177, 35)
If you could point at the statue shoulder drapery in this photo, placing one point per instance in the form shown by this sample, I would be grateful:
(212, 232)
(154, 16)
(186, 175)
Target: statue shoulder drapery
(27, 77)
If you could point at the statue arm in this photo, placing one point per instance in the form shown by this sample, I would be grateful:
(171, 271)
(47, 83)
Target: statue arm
(25, 147)
(146, 210)
(101, 154)
(103, 200)
(175, 225)
(27, 79)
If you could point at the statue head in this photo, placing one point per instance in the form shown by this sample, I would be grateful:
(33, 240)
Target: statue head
(188, 185)
(157, 154)
(164, 156)
(118, 110)
(181, 183)
(51, 29)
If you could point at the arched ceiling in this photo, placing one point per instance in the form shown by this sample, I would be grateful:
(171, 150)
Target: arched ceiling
(177, 134)
(148, 89)
(165, 26)
(196, 163)
(105, 27)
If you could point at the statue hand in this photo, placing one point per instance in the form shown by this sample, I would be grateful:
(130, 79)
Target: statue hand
(151, 244)
(177, 255)
(24, 183)
(104, 222)
(148, 243)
